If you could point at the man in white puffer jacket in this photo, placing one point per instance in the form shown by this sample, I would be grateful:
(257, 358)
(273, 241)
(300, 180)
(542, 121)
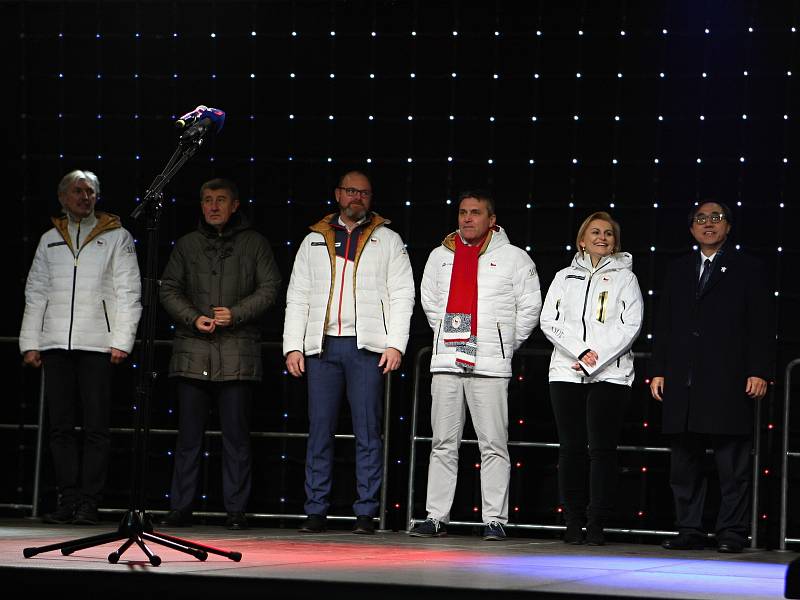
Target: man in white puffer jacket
(506, 304)
(82, 308)
(348, 310)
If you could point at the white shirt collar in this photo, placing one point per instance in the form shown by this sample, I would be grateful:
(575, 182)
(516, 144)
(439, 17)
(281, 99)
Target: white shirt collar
(703, 257)
(359, 222)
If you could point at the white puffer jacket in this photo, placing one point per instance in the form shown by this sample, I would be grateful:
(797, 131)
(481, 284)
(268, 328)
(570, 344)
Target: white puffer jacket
(598, 310)
(382, 283)
(84, 301)
(509, 303)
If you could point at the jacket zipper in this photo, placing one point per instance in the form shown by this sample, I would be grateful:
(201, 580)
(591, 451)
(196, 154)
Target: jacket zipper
(383, 314)
(558, 304)
(586, 298)
(438, 333)
(341, 290)
(105, 314)
(74, 279)
(500, 335)
(219, 303)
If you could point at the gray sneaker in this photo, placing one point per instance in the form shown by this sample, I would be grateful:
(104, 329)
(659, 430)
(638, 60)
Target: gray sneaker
(494, 531)
(428, 528)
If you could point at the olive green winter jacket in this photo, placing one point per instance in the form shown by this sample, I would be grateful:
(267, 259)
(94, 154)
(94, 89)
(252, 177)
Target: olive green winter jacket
(233, 268)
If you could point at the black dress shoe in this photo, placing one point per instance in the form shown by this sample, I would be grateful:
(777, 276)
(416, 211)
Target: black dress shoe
(729, 546)
(364, 525)
(574, 533)
(685, 541)
(177, 518)
(236, 521)
(313, 524)
(86, 514)
(62, 515)
(594, 535)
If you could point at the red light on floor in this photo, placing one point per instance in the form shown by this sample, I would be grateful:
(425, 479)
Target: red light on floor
(520, 378)
(766, 471)
(559, 509)
(397, 505)
(645, 424)
(644, 469)
(521, 422)
(764, 517)
(519, 464)
(647, 382)
(477, 465)
(770, 426)
(474, 509)
(516, 509)
(640, 513)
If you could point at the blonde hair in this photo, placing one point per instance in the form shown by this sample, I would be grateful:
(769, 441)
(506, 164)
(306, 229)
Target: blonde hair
(600, 216)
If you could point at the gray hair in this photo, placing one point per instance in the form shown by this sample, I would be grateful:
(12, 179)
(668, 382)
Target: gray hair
(77, 175)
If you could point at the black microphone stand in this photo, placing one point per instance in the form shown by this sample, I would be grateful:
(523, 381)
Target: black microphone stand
(136, 526)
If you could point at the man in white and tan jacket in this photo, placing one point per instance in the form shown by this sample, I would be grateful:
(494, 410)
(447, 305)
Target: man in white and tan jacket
(482, 298)
(82, 308)
(348, 310)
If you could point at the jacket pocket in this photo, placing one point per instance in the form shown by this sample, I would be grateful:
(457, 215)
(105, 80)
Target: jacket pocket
(44, 313)
(500, 336)
(558, 305)
(105, 314)
(383, 314)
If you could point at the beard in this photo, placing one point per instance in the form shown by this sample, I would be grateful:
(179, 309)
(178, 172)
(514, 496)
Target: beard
(355, 211)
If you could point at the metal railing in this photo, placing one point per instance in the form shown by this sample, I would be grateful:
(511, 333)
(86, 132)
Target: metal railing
(39, 427)
(415, 439)
(787, 384)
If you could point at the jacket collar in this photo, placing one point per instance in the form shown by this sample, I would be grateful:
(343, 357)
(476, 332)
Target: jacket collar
(238, 222)
(104, 222)
(495, 233)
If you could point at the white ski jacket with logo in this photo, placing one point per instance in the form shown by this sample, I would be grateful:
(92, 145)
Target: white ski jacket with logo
(383, 289)
(509, 303)
(593, 309)
(84, 299)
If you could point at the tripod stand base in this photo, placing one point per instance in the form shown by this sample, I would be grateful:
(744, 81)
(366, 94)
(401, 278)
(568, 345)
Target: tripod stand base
(135, 528)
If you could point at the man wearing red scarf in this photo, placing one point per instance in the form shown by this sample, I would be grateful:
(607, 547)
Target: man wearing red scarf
(482, 298)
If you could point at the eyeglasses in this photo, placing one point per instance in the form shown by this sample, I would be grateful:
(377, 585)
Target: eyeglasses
(714, 217)
(355, 192)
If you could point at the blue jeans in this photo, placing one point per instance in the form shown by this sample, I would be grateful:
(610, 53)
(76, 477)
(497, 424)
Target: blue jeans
(343, 368)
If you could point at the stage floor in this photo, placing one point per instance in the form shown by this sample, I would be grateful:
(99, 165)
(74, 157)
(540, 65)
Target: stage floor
(281, 563)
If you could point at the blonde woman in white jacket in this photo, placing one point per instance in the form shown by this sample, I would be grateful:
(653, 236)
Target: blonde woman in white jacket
(592, 314)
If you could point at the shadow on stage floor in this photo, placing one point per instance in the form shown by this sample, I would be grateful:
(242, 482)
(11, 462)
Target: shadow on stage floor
(280, 563)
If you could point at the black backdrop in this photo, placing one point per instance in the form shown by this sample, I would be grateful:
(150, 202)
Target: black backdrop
(560, 108)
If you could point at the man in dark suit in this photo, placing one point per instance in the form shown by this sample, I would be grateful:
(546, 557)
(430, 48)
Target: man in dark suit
(712, 358)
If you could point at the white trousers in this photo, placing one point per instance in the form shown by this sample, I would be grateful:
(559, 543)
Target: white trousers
(487, 399)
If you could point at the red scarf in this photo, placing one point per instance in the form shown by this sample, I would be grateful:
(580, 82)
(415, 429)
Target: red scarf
(461, 316)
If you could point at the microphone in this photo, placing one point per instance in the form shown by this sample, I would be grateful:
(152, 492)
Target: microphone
(205, 119)
(190, 117)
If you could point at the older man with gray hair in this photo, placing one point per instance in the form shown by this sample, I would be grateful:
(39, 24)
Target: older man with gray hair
(82, 308)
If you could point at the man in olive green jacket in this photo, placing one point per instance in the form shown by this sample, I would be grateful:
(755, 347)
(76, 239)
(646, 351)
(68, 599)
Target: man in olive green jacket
(219, 281)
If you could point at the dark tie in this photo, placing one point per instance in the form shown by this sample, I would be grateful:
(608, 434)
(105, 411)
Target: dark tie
(704, 276)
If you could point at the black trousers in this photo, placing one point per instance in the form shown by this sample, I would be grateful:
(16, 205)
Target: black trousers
(68, 375)
(732, 455)
(233, 400)
(588, 415)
